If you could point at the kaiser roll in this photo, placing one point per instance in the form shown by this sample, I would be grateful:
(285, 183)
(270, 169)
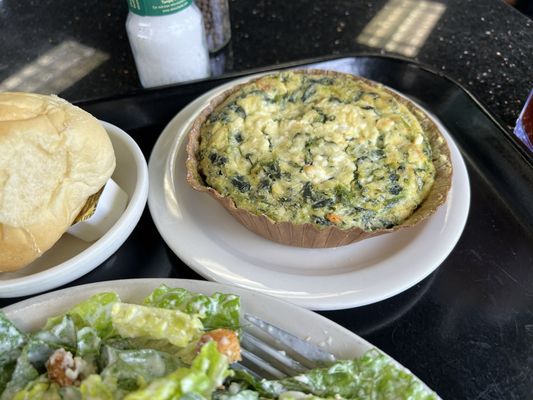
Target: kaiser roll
(53, 156)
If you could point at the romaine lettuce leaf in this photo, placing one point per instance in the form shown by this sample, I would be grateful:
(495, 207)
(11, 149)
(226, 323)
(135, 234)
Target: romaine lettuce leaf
(61, 334)
(92, 388)
(206, 373)
(131, 320)
(93, 312)
(71, 393)
(139, 343)
(6, 371)
(128, 370)
(88, 348)
(373, 376)
(185, 354)
(216, 311)
(295, 395)
(88, 342)
(23, 374)
(11, 342)
(242, 395)
(43, 343)
(44, 389)
(39, 389)
(235, 392)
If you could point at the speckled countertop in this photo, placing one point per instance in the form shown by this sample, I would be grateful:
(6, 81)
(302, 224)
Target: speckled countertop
(487, 46)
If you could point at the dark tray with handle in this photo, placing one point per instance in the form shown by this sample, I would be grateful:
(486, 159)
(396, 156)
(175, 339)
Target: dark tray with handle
(467, 329)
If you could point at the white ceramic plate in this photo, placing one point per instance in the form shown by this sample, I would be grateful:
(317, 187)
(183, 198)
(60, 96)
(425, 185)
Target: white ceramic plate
(204, 236)
(71, 257)
(31, 314)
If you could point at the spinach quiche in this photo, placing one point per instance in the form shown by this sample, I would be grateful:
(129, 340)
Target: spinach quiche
(318, 158)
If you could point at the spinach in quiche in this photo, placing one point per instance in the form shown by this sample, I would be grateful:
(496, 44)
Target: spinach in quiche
(327, 150)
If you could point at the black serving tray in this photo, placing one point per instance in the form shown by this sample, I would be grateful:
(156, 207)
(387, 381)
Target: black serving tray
(467, 329)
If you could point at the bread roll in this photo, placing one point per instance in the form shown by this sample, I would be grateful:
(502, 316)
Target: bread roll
(53, 156)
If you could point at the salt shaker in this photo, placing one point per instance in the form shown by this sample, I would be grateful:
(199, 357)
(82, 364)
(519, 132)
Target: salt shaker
(216, 22)
(167, 39)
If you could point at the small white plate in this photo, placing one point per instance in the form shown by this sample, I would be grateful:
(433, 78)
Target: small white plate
(70, 257)
(204, 236)
(31, 314)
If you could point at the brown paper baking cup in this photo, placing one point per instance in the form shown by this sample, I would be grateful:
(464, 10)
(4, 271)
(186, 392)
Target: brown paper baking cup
(309, 235)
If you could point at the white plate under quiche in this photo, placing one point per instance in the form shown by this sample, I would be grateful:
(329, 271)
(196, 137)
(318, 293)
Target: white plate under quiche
(211, 242)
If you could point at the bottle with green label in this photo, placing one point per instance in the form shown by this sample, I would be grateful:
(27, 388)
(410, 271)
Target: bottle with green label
(167, 40)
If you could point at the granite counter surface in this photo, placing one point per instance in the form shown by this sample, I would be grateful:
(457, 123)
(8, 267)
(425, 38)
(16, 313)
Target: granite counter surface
(486, 46)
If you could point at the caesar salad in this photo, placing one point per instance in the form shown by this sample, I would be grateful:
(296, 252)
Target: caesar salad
(177, 344)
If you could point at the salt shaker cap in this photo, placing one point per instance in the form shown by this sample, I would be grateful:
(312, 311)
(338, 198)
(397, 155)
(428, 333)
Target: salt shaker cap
(154, 8)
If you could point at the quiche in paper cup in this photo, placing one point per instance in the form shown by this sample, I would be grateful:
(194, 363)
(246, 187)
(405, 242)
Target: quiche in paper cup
(315, 158)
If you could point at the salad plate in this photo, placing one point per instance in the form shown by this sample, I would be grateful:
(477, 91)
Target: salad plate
(71, 257)
(206, 238)
(32, 314)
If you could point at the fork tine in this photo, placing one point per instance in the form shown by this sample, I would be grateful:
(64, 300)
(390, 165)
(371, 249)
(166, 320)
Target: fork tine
(241, 366)
(311, 355)
(258, 366)
(275, 357)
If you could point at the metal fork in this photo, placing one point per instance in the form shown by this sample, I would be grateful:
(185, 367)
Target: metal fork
(272, 353)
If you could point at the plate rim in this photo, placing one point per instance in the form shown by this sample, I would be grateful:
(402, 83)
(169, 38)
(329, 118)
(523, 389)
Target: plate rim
(177, 142)
(99, 250)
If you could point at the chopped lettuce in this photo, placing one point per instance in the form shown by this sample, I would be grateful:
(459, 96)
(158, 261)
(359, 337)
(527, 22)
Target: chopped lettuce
(60, 334)
(93, 312)
(11, 342)
(42, 388)
(6, 371)
(235, 391)
(373, 376)
(44, 342)
(139, 343)
(217, 311)
(207, 372)
(23, 374)
(72, 393)
(88, 347)
(242, 395)
(131, 320)
(93, 388)
(88, 342)
(39, 389)
(127, 370)
(295, 395)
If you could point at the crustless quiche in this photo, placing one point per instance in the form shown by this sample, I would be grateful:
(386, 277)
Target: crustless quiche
(327, 154)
